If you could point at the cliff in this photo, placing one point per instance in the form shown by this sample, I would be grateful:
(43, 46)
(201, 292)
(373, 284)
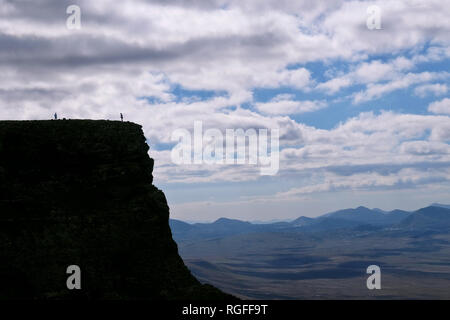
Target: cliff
(79, 192)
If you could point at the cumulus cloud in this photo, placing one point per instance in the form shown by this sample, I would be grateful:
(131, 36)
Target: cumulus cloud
(334, 85)
(371, 73)
(285, 104)
(403, 82)
(378, 145)
(441, 107)
(425, 148)
(381, 77)
(166, 64)
(405, 178)
(436, 89)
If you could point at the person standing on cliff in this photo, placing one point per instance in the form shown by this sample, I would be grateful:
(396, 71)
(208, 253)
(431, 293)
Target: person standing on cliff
(56, 116)
(121, 117)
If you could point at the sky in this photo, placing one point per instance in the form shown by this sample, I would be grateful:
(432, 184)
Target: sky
(363, 112)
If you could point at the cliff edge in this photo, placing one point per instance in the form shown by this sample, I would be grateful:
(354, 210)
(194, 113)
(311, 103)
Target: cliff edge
(80, 192)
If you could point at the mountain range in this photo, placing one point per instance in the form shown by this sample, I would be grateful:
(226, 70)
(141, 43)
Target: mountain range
(324, 257)
(436, 216)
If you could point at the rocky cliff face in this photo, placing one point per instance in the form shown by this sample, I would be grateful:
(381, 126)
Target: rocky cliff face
(79, 192)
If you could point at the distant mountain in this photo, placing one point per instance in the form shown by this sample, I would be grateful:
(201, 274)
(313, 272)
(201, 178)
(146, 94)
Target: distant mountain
(427, 218)
(293, 261)
(179, 226)
(330, 223)
(218, 229)
(364, 215)
(225, 225)
(447, 206)
(338, 245)
(351, 213)
(357, 219)
(302, 221)
(270, 221)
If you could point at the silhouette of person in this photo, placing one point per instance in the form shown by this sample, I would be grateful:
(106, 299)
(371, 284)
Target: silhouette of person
(121, 117)
(56, 116)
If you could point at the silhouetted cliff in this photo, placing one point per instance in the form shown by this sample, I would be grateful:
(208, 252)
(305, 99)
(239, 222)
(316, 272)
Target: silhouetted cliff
(79, 192)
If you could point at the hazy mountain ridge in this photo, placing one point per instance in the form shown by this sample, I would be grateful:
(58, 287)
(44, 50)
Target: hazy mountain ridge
(447, 206)
(429, 217)
(325, 257)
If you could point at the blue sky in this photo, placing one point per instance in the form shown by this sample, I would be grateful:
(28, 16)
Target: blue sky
(363, 115)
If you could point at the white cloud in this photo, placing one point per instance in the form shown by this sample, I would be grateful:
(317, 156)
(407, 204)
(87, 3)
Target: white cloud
(441, 107)
(284, 104)
(368, 73)
(436, 89)
(405, 178)
(374, 91)
(425, 147)
(334, 85)
(128, 51)
(377, 145)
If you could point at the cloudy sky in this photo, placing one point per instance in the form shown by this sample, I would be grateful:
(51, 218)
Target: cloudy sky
(364, 115)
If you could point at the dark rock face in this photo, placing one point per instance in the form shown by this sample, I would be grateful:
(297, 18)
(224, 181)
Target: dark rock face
(79, 192)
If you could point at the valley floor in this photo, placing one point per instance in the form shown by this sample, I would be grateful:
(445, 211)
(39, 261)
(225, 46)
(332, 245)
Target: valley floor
(323, 265)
